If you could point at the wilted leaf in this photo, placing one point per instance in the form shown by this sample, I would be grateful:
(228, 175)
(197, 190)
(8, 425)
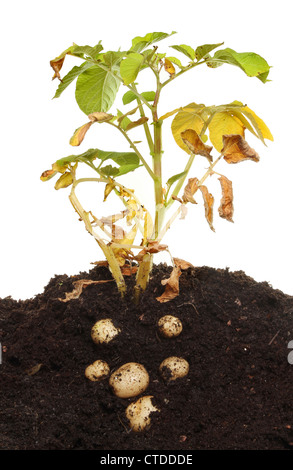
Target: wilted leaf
(182, 264)
(172, 286)
(100, 117)
(189, 190)
(137, 123)
(78, 288)
(226, 208)
(169, 67)
(236, 149)
(108, 189)
(47, 175)
(128, 270)
(64, 181)
(57, 66)
(195, 144)
(148, 226)
(79, 134)
(208, 205)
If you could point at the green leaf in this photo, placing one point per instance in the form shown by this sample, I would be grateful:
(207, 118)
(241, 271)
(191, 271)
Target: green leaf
(186, 50)
(126, 161)
(139, 43)
(129, 96)
(72, 75)
(130, 67)
(175, 178)
(202, 51)
(124, 122)
(86, 51)
(113, 58)
(96, 90)
(252, 64)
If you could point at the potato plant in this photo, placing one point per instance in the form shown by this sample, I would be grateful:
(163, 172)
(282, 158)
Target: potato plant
(132, 236)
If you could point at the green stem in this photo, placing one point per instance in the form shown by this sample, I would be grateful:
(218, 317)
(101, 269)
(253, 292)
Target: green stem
(145, 125)
(133, 146)
(189, 67)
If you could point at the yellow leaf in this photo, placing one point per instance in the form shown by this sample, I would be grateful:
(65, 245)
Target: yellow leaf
(64, 181)
(236, 149)
(109, 188)
(224, 123)
(192, 140)
(148, 226)
(165, 116)
(258, 122)
(79, 134)
(187, 118)
(169, 67)
(226, 206)
(48, 174)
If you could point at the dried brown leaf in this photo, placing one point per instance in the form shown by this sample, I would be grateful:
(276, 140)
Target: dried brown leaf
(137, 123)
(189, 190)
(128, 270)
(57, 66)
(195, 144)
(100, 117)
(78, 288)
(208, 205)
(226, 208)
(175, 198)
(153, 247)
(236, 149)
(182, 264)
(172, 286)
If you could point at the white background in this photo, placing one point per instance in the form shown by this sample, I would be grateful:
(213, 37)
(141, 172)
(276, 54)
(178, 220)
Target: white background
(40, 235)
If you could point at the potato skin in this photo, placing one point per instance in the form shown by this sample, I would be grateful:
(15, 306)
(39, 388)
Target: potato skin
(129, 380)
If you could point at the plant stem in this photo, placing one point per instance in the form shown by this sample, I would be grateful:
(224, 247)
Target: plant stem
(145, 125)
(133, 146)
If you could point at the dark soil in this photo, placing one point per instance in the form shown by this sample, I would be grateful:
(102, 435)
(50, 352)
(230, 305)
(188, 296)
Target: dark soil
(238, 393)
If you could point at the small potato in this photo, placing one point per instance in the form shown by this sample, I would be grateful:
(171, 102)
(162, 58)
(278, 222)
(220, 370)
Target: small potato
(104, 331)
(138, 413)
(173, 368)
(97, 371)
(169, 326)
(129, 380)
